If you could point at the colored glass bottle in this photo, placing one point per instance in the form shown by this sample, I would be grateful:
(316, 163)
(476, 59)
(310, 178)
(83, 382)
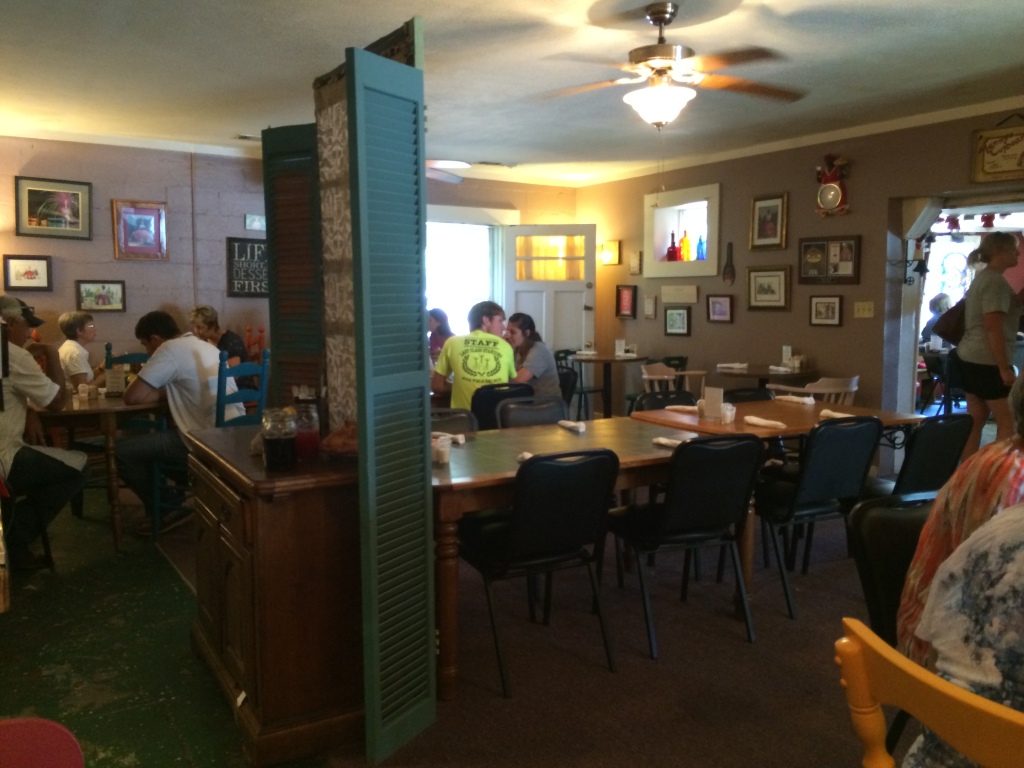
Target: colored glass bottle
(702, 249)
(684, 248)
(672, 252)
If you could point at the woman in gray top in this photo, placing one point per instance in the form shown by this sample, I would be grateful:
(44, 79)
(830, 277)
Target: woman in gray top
(991, 318)
(535, 364)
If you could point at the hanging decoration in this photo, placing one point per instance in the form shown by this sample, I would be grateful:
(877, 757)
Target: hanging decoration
(832, 200)
(987, 220)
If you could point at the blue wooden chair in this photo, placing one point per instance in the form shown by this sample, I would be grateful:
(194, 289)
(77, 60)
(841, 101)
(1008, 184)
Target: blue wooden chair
(127, 358)
(260, 370)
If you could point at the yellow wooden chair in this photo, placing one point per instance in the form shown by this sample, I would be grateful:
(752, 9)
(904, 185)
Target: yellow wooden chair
(874, 673)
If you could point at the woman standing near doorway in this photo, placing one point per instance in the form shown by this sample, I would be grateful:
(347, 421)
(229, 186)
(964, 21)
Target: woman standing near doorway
(992, 315)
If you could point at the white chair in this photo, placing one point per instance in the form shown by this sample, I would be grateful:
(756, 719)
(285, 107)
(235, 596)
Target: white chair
(658, 377)
(836, 391)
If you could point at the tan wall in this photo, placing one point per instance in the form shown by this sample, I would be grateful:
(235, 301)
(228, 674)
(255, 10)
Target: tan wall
(919, 162)
(205, 205)
(536, 204)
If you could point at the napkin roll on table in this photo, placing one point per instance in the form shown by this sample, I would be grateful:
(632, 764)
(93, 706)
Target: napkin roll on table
(682, 408)
(757, 421)
(795, 399)
(573, 426)
(827, 414)
(666, 442)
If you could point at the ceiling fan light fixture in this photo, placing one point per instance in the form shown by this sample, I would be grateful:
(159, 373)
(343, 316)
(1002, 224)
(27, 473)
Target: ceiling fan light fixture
(659, 103)
(448, 165)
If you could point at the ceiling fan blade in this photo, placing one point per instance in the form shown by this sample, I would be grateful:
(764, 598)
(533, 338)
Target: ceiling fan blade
(749, 87)
(591, 87)
(438, 175)
(715, 61)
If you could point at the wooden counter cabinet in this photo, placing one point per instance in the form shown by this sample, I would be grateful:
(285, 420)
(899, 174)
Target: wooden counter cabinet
(278, 596)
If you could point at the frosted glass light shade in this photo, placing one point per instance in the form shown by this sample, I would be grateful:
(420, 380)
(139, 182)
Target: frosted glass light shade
(659, 104)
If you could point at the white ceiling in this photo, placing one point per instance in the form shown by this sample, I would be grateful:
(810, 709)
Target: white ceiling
(194, 75)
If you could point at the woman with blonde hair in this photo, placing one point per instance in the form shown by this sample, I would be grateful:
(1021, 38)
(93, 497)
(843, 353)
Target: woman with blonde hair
(991, 318)
(206, 326)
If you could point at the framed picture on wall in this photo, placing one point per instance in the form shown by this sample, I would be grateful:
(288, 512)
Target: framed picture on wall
(719, 309)
(28, 273)
(677, 321)
(100, 296)
(53, 208)
(768, 288)
(826, 310)
(830, 260)
(625, 301)
(768, 222)
(140, 230)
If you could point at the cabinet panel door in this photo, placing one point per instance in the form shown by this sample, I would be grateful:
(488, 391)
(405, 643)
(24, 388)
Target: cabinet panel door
(208, 592)
(237, 616)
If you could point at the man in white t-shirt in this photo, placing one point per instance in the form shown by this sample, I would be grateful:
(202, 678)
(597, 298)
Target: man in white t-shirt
(182, 370)
(79, 329)
(42, 482)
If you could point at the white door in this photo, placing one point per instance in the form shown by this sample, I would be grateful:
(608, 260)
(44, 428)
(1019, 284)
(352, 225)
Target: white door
(548, 273)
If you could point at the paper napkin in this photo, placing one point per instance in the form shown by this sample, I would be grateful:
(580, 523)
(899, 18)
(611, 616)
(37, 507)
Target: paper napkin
(827, 414)
(682, 408)
(796, 399)
(573, 426)
(757, 421)
(666, 442)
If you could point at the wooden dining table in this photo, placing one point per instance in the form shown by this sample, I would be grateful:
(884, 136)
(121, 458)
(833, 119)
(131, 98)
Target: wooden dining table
(764, 373)
(798, 418)
(606, 361)
(103, 413)
(481, 475)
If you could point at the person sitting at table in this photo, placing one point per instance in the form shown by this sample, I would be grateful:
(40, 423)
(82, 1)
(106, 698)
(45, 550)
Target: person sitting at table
(440, 331)
(985, 484)
(480, 357)
(938, 305)
(42, 479)
(79, 329)
(974, 623)
(182, 370)
(206, 325)
(535, 363)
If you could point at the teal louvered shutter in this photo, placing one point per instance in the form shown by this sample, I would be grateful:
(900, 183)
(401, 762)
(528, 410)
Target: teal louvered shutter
(385, 113)
(291, 189)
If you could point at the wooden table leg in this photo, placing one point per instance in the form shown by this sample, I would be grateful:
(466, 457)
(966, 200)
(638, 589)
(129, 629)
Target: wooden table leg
(446, 600)
(606, 389)
(108, 424)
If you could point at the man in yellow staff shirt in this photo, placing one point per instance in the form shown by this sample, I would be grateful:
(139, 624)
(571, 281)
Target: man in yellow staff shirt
(479, 358)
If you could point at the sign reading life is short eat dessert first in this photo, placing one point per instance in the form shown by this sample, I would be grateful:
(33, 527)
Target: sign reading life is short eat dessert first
(247, 268)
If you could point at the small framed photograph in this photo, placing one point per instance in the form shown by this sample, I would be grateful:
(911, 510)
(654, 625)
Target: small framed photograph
(826, 310)
(140, 230)
(256, 221)
(719, 309)
(830, 260)
(768, 288)
(100, 296)
(625, 301)
(28, 273)
(53, 208)
(650, 307)
(677, 321)
(768, 222)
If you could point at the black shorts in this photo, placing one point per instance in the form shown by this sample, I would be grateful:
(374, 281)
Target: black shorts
(982, 380)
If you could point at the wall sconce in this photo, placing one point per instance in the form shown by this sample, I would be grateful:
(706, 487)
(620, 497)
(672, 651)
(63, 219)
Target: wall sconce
(610, 252)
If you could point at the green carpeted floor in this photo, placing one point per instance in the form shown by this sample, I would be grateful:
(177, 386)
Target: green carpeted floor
(102, 646)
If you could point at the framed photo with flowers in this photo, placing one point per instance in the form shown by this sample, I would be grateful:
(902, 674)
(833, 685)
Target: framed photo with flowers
(140, 230)
(768, 222)
(100, 296)
(53, 208)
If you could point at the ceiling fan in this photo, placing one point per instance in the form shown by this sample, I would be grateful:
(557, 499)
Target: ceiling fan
(663, 65)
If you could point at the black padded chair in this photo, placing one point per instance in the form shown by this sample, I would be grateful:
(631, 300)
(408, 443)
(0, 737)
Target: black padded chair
(528, 411)
(454, 421)
(933, 454)
(484, 404)
(557, 522)
(564, 359)
(883, 538)
(747, 395)
(567, 380)
(656, 401)
(710, 483)
(834, 463)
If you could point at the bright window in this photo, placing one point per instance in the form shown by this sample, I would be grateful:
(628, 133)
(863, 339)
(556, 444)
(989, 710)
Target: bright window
(458, 258)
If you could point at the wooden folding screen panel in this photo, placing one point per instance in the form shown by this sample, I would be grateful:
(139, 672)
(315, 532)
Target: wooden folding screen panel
(292, 195)
(388, 191)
